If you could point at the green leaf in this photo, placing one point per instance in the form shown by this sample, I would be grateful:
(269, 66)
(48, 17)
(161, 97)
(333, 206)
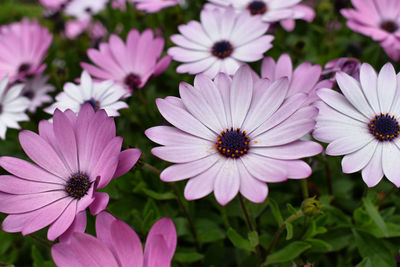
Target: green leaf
(188, 257)
(289, 230)
(366, 262)
(238, 241)
(158, 196)
(275, 211)
(319, 246)
(291, 208)
(376, 217)
(373, 248)
(37, 258)
(253, 238)
(288, 253)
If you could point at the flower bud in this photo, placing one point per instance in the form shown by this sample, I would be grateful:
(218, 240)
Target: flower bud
(311, 207)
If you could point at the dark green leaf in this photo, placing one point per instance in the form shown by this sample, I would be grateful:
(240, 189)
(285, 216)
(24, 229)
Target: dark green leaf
(238, 241)
(288, 253)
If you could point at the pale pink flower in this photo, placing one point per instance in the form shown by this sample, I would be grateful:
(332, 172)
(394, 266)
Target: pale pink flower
(379, 20)
(285, 12)
(54, 4)
(101, 95)
(36, 90)
(74, 157)
(222, 42)
(363, 123)
(84, 9)
(130, 64)
(12, 106)
(153, 6)
(23, 46)
(349, 65)
(117, 245)
(234, 135)
(303, 79)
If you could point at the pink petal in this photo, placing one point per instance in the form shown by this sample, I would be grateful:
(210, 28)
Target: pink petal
(373, 172)
(227, 182)
(78, 225)
(100, 202)
(162, 65)
(63, 222)
(250, 187)
(127, 159)
(13, 204)
(294, 150)
(14, 185)
(265, 169)
(241, 95)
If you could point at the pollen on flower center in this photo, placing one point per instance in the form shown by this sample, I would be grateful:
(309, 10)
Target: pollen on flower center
(222, 49)
(95, 104)
(132, 81)
(78, 185)
(232, 143)
(389, 26)
(257, 7)
(384, 127)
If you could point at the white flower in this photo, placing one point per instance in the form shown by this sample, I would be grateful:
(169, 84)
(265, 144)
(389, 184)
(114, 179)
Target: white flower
(85, 9)
(36, 90)
(101, 95)
(12, 107)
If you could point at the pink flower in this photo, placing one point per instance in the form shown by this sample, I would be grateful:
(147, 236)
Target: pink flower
(351, 66)
(74, 157)
(222, 42)
(23, 45)
(130, 64)
(304, 79)
(378, 19)
(153, 6)
(363, 123)
(233, 136)
(271, 11)
(74, 28)
(117, 245)
(54, 4)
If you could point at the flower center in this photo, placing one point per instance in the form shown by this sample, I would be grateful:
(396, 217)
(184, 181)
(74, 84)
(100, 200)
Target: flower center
(78, 185)
(232, 143)
(132, 81)
(29, 94)
(384, 127)
(222, 49)
(95, 104)
(24, 67)
(257, 7)
(389, 26)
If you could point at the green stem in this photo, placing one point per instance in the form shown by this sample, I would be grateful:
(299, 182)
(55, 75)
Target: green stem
(278, 233)
(153, 169)
(304, 188)
(328, 176)
(250, 225)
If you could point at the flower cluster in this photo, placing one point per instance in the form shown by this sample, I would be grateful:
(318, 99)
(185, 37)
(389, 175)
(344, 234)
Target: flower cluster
(231, 132)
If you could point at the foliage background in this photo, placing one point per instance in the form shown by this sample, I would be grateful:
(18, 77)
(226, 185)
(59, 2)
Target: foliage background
(357, 226)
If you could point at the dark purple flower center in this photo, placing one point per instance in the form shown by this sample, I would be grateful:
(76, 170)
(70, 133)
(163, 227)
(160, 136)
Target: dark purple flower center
(222, 49)
(384, 127)
(88, 10)
(24, 67)
(232, 143)
(389, 26)
(95, 104)
(132, 81)
(29, 94)
(257, 7)
(78, 185)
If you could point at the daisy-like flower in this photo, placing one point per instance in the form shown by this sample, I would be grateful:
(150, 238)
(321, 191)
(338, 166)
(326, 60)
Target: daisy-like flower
(233, 136)
(304, 79)
(101, 95)
(117, 245)
(271, 11)
(363, 123)
(54, 5)
(36, 90)
(84, 9)
(348, 65)
(379, 20)
(23, 45)
(222, 42)
(153, 6)
(130, 64)
(74, 156)
(12, 107)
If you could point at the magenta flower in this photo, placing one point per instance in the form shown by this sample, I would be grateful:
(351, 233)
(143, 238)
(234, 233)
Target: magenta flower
(363, 123)
(118, 245)
(23, 45)
(130, 64)
(379, 20)
(153, 6)
(233, 136)
(74, 157)
(304, 79)
(271, 11)
(349, 65)
(222, 42)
